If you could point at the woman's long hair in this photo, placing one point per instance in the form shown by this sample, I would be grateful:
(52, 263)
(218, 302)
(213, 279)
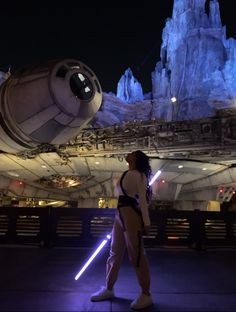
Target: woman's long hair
(142, 165)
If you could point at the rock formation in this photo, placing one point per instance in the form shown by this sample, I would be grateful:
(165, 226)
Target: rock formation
(129, 89)
(197, 66)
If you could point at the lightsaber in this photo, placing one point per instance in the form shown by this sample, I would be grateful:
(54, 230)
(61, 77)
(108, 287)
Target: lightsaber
(103, 243)
(156, 175)
(108, 237)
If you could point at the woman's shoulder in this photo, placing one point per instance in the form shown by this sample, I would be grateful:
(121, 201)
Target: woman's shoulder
(137, 174)
(134, 172)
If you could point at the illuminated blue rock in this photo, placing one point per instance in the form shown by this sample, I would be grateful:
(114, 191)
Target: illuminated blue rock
(197, 63)
(197, 66)
(4, 76)
(116, 111)
(129, 103)
(129, 89)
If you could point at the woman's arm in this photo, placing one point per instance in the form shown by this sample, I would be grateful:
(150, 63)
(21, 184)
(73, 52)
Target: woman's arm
(142, 187)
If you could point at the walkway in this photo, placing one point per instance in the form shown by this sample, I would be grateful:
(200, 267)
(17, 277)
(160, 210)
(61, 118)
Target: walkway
(35, 279)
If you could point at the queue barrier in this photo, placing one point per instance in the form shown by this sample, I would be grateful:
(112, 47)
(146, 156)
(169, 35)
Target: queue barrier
(81, 227)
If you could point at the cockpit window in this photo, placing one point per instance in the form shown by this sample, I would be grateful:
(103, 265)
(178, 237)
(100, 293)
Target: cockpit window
(81, 86)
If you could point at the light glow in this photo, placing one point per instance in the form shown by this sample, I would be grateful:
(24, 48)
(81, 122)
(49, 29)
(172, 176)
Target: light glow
(13, 174)
(156, 175)
(87, 89)
(103, 243)
(81, 77)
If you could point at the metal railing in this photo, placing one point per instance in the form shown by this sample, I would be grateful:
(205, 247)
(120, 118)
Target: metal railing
(49, 227)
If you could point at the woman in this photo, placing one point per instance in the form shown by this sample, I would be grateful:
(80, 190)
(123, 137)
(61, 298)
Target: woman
(131, 221)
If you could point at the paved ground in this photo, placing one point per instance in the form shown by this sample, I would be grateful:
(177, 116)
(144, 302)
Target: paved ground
(35, 279)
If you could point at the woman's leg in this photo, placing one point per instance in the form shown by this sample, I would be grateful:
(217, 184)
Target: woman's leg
(117, 250)
(135, 248)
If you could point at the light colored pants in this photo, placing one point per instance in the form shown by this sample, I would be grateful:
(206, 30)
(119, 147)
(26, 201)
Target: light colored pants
(126, 233)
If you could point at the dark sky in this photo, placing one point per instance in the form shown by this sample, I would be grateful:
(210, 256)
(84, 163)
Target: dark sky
(108, 36)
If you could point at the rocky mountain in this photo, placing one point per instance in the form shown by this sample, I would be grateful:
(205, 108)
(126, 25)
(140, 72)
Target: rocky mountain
(197, 66)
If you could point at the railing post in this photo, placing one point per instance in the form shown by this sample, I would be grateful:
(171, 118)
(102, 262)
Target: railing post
(12, 221)
(197, 236)
(46, 228)
(161, 228)
(86, 227)
(229, 228)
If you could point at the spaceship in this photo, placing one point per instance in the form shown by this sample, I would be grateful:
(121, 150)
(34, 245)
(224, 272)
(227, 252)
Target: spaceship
(50, 151)
(47, 103)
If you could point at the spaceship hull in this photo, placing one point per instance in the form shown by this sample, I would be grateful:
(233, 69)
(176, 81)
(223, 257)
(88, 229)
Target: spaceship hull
(50, 104)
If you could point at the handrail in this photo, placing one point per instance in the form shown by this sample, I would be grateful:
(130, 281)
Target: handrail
(50, 227)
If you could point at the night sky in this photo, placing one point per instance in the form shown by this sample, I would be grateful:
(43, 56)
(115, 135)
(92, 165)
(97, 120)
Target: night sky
(108, 38)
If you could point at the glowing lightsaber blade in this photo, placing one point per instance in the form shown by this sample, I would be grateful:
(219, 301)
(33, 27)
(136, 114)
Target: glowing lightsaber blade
(103, 243)
(108, 237)
(156, 175)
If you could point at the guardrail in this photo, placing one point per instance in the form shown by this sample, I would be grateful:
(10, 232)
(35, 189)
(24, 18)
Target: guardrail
(49, 227)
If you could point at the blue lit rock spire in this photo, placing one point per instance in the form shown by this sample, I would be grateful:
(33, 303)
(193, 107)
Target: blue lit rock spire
(181, 6)
(214, 16)
(197, 66)
(193, 58)
(129, 89)
(197, 9)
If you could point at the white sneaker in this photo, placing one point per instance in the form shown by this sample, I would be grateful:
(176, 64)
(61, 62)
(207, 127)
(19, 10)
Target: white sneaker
(141, 302)
(103, 294)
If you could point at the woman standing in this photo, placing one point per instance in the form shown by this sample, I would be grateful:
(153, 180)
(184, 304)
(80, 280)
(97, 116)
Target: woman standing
(131, 221)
